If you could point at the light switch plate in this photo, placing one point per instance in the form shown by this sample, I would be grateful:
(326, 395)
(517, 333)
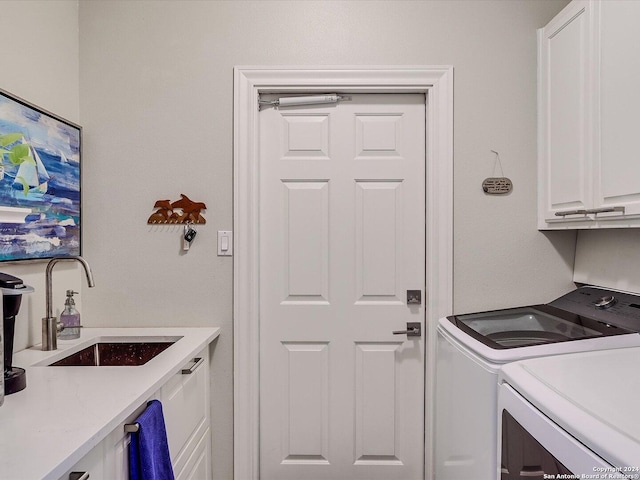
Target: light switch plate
(225, 243)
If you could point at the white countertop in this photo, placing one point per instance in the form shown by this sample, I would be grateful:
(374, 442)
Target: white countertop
(591, 395)
(65, 411)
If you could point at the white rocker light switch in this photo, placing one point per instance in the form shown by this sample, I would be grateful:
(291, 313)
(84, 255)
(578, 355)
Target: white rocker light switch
(225, 243)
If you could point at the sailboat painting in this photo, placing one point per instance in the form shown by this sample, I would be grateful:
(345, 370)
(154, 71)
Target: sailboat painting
(39, 182)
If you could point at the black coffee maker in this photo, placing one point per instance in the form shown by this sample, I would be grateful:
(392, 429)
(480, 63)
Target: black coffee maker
(12, 288)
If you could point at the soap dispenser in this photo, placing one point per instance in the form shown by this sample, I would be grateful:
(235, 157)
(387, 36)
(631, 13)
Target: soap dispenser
(70, 318)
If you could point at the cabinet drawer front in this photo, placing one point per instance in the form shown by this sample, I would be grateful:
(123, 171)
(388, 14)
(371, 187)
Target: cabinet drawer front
(92, 462)
(198, 466)
(185, 406)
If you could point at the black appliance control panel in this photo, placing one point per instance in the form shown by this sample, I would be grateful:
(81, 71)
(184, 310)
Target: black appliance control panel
(606, 306)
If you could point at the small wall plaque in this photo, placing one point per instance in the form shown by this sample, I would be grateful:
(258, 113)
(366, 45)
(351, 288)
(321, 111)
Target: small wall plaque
(497, 185)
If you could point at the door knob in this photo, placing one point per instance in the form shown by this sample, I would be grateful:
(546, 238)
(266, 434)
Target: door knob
(414, 329)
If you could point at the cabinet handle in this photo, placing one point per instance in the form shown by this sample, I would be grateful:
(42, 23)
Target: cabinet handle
(606, 210)
(79, 475)
(571, 212)
(591, 211)
(192, 368)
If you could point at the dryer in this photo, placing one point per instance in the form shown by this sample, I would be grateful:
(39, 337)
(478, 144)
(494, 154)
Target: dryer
(574, 416)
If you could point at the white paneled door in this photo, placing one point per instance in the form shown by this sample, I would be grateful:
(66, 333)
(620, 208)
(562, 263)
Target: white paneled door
(342, 239)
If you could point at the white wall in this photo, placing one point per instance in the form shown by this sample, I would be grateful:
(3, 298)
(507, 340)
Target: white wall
(156, 103)
(40, 56)
(609, 258)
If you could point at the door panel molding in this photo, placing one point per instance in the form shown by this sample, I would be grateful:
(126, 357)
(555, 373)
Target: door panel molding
(437, 83)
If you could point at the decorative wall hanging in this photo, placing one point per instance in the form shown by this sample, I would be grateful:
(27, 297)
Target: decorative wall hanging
(182, 211)
(39, 182)
(497, 185)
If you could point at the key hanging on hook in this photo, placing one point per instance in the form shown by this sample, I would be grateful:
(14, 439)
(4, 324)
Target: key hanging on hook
(188, 236)
(189, 232)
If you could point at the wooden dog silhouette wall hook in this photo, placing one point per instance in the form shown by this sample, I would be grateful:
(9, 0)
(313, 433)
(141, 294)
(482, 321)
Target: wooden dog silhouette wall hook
(181, 211)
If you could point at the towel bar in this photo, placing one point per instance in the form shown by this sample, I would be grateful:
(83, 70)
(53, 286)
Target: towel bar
(131, 427)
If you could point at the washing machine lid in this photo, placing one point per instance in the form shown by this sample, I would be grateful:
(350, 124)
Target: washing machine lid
(587, 312)
(533, 325)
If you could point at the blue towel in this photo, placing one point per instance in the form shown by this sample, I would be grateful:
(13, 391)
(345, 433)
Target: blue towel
(149, 457)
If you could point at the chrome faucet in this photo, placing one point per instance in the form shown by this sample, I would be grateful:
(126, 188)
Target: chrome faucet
(51, 328)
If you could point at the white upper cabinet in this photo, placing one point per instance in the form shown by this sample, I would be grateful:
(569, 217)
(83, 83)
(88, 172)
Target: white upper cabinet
(618, 118)
(588, 158)
(564, 113)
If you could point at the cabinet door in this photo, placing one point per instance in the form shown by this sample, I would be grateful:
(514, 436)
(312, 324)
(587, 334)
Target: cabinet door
(116, 450)
(185, 401)
(565, 97)
(618, 176)
(117, 455)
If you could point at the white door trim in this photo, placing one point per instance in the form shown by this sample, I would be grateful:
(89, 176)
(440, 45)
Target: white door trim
(249, 82)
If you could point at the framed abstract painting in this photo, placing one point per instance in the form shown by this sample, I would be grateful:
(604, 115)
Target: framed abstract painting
(39, 182)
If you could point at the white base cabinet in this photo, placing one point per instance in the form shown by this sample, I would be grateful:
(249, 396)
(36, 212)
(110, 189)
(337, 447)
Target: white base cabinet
(588, 165)
(185, 403)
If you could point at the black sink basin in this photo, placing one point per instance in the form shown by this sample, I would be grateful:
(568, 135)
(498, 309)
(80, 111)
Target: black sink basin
(110, 354)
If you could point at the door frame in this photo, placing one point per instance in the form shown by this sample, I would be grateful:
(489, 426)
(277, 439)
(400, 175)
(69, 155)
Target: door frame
(436, 82)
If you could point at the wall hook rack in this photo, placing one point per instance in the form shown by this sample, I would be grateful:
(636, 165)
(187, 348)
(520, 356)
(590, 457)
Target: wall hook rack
(182, 211)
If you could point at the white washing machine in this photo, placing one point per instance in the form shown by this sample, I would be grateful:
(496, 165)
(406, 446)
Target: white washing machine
(472, 348)
(573, 416)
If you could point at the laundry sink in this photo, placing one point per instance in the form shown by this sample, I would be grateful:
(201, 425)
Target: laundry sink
(108, 353)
